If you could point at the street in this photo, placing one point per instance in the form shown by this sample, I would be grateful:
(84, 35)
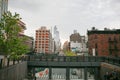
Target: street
(60, 74)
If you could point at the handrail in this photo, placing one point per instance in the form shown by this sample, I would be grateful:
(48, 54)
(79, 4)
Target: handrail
(111, 60)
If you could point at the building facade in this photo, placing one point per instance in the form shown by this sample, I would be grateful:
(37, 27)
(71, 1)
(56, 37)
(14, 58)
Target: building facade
(66, 46)
(29, 41)
(77, 43)
(104, 42)
(22, 27)
(3, 7)
(43, 41)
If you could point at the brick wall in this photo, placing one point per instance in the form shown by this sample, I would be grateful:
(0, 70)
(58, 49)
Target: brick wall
(104, 44)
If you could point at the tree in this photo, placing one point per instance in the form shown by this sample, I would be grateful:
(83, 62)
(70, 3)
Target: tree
(11, 44)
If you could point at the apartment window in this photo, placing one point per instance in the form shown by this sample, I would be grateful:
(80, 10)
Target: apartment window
(96, 45)
(109, 38)
(95, 36)
(114, 38)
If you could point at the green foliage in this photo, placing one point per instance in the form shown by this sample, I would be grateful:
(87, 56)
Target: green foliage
(10, 42)
(70, 53)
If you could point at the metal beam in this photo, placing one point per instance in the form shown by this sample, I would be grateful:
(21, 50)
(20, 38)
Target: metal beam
(85, 74)
(63, 64)
(50, 73)
(67, 73)
(97, 73)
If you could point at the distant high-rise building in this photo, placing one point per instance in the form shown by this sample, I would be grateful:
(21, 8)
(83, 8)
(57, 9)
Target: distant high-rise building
(43, 42)
(3, 7)
(57, 40)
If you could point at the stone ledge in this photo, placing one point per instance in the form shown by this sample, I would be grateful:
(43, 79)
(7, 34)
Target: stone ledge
(110, 66)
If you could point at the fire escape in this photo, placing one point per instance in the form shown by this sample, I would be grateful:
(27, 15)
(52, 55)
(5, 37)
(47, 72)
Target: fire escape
(113, 49)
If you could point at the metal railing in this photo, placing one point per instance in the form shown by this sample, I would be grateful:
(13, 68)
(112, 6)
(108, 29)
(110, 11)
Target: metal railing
(110, 60)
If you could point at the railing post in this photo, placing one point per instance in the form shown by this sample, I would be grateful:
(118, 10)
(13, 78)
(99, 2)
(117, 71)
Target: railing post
(28, 58)
(59, 58)
(76, 58)
(13, 61)
(52, 58)
(67, 73)
(103, 59)
(34, 77)
(64, 58)
(119, 61)
(40, 58)
(46, 58)
(1, 62)
(70, 59)
(50, 73)
(8, 60)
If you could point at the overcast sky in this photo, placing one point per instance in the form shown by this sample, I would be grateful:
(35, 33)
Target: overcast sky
(68, 15)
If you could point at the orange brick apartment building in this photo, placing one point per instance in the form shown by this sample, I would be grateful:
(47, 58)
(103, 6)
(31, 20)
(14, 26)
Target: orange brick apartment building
(104, 42)
(43, 43)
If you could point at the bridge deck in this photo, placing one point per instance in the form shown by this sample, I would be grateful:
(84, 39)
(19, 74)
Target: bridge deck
(70, 61)
(63, 64)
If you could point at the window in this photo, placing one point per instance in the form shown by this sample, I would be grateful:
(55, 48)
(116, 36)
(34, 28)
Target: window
(109, 38)
(95, 36)
(96, 45)
(114, 38)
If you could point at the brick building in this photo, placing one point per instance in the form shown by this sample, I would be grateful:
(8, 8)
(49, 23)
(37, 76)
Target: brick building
(75, 37)
(43, 42)
(104, 42)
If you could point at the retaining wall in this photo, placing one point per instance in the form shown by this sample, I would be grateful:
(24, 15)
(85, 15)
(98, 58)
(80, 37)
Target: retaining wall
(105, 67)
(14, 72)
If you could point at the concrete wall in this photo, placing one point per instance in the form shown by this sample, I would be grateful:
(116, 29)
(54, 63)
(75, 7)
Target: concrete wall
(15, 72)
(105, 67)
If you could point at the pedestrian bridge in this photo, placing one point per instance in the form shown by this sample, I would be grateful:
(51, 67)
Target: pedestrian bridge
(68, 62)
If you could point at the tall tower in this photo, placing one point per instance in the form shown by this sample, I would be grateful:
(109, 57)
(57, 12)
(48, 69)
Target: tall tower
(57, 40)
(3, 7)
(43, 40)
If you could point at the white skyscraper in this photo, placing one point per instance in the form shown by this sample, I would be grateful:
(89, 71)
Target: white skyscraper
(57, 40)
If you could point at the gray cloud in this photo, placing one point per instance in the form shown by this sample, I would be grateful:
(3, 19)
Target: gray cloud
(68, 14)
(28, 5)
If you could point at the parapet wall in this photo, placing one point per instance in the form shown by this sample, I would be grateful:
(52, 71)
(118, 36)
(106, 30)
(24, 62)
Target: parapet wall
(14, 72)
(105, 67)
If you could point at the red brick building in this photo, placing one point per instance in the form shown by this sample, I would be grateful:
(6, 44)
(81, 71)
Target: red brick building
(104, 42)
(43, 42)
